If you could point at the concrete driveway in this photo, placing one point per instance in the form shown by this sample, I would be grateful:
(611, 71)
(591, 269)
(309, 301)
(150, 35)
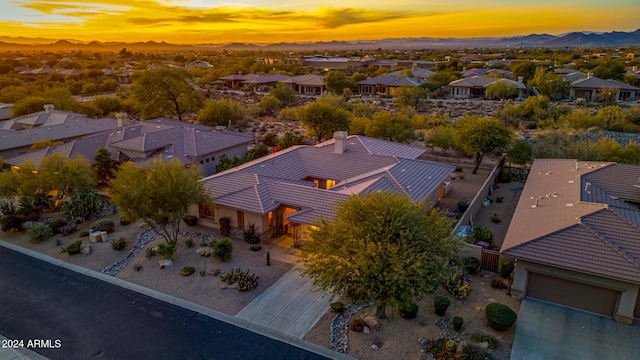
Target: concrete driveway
(546, 331)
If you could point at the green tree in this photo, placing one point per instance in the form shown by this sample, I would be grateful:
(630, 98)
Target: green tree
(107, 104)
(165, 92)
(393, 127)
(525, 69)
(481, 135)
(290, 139)
(441, 137)
(520, 153)
(336, 81)
(323, 119)
(550, 84)
(44, 143)
(414, 97)
(159, 194)
(501, 90)
(62, 175)
(221, 112)
(104, 166)
(610, 69)
(285, 94)
(269, 105)
(380, 246)
(83, 204)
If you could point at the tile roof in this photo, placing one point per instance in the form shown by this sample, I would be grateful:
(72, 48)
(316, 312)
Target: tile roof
(391, 81)
(586, 219)
(366, 165)
(597, 83)
(477, 82)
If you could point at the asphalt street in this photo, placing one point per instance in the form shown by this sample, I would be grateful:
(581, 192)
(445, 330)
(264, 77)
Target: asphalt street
(75, 316)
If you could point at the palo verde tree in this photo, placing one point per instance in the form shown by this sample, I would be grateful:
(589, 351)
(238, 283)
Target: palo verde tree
(322, 119)
(380, 246)
(481, 135)
(165, 92)
(159, 194)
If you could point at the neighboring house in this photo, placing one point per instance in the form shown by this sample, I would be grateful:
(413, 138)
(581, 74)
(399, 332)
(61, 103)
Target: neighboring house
(417, 72)
(591, 88)
(327, 63)
(484, 72)
(236, 81)
(199, 64)
(475, 86)
(307, 84)
(140, 142)
(18, 134)
(289, 190)
(575, 235)
(303, 84)
(386, 84)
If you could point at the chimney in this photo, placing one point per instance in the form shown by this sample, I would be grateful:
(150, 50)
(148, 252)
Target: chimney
(122, 119)
(341, 141)
(589, 75)
(520, 79)
(48, 108)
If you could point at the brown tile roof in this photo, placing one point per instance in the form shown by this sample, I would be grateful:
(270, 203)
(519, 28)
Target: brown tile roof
(579, 223)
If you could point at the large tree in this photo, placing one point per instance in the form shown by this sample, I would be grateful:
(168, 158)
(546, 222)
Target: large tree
(393, 127)
(550, 84)
(381, 246)
(481, 135)
(165, 92)
(159, 194)
(221, 112)
(323, 119)
(336, 81)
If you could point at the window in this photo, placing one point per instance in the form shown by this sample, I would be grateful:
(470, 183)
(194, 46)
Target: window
(207, 211)
(201, 162)
(207, 159)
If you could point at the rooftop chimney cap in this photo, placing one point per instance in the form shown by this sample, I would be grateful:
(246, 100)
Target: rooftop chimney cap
(49, 107)
(341, 141)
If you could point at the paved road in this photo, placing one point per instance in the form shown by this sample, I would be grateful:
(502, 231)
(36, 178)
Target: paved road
(93, 319)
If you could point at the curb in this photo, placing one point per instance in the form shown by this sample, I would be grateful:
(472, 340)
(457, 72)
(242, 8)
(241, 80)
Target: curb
(241, 323)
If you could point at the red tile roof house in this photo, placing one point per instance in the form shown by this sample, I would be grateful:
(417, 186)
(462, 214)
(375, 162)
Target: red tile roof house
(287, 191)
(575, 235)
(140, 142)
(475, 86)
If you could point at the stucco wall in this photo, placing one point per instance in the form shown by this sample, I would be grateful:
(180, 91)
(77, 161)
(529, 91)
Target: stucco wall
(626, 302)
(209, 168)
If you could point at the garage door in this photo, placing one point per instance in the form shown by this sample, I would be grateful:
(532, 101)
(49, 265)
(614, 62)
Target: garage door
(573, 294)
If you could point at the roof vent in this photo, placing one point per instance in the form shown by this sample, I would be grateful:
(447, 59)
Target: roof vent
(569, 204)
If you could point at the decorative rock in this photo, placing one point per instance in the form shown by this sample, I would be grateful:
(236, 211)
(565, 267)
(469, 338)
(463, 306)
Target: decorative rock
(165, 262)
(366, 330)
(374, 347)
(371, 322)
(203, 251)
(340, 327)
(484, 345)
(85, 249)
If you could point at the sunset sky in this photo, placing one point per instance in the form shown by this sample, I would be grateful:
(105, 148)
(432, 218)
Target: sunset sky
(266, 21)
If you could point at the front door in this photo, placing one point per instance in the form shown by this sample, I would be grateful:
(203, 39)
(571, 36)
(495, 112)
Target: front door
(240, 220)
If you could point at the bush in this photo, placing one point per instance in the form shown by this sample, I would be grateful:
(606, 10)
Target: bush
(471, 264)
(499, 316)
(103, 225)
(68, 229)
(150, 252)
(225, 226)
(504, 177)
(223, 249)
(119, 244)
(246, 280)
(461, 176)
(255, 247)
(166, 250)
(457, 323)
(478, 338)
(357, 324)
(440, 304)
(188, 243)
(187, 270)
(495, 218)
(125, 220)
(408, 309)
(39, 231)
(481, 233)
(250, 235)
(498, 284)
(190, 220)
(74, 248)
(463, 205)
(474, 352)
(56, 225)
(10, 216)
(337, 307)
(499, 199)
(84, 233)
(505, 267)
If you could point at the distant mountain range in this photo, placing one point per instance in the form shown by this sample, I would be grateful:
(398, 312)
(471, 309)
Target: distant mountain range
(574, 39)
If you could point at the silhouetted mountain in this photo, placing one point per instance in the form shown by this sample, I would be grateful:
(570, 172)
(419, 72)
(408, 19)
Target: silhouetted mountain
(574, 39)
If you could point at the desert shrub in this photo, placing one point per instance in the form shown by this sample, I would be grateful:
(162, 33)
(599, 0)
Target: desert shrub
(498, 284)
(125, 220)
(150, 252)
(74, 248)
(84, 233)
(504, 177)
(39, 231)
(481, 233)
(438, 348)
(166, 250)
(270, 139)
(223, 249)
(56, 225)
(457, 323)
(440, 304)
(103, 225)
(225, 226)
(499, 316)
(119, 243)
(255, 247)
(357, 324)
(471, 264)
(10, 217)
(188, 243)
(458, 168)
(505, 267)
(83, 204)
(499, 199)
(461, 176)
(68, 228)
(463, 205)
(337, 307)
(187, 270)
(472, 351)
(478, 338)
(408, 309)
(495, 218)
(251, 235)
(190, 220)
(246, 280)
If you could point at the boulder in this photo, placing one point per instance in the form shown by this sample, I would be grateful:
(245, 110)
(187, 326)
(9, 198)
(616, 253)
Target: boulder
(374, 347)
(204, 251)
(165, 263)
(85, 249)
(371, 322)
(366, 330)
